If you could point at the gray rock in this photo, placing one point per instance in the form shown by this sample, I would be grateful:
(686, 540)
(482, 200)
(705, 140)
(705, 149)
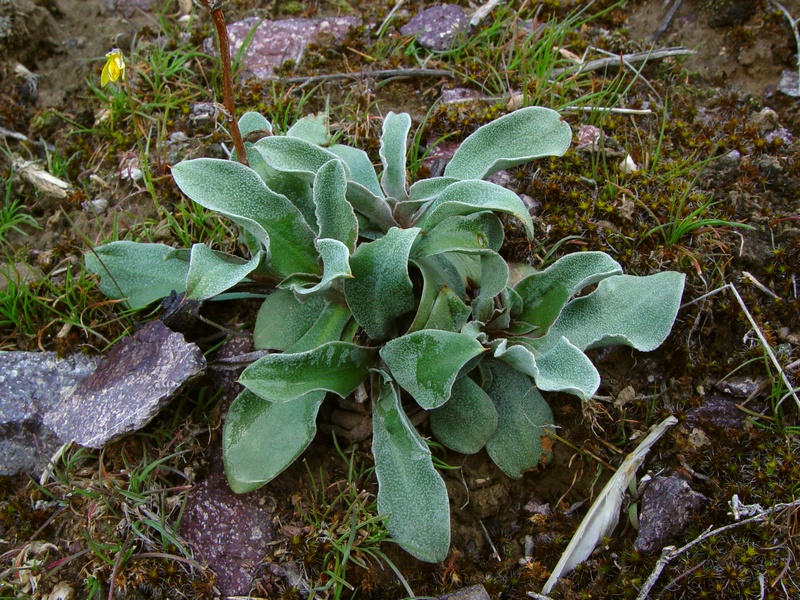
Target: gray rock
(438, 27)
(31, 384)
(475, 592)
(667, 505)
(275, 42)
(134, 381)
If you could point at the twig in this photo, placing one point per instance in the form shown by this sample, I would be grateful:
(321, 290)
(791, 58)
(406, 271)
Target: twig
(483, 11)
(612, 109)
(670, 553)
(215, 8)
(379, 74)
(636, 57)
(489, 539)
(637, 72)
(793, 23)
(665, 22)
(760, 285)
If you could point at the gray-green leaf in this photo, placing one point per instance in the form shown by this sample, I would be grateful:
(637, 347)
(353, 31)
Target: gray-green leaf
(283, 319)
(293, 155)
(336, 367)
(514, 139)
(238, 193)
(393, 155)
(478, 232)
(261, 438)
(544, 294)
(335, 216)
(361, 170)
(467, 421)
(425, 363)
(410, 490)
(624, 309)
(253, 121)
(381, 289)
(140, 273)
(472, 196)
(524, 420)
(211, 272)
(312, 128)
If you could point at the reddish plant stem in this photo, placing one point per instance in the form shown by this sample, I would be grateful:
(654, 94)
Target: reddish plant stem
(215, 8)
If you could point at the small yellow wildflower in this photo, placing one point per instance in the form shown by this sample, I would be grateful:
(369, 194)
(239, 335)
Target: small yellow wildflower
(114, 68)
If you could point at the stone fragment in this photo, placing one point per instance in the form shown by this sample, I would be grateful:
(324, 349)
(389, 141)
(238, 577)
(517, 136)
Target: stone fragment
(134, 381)
(31, 384)
(230, 532)
(667, 505)
(717, 411)
(790, 83)
(275, 42)
(740, 387)
(475, 592)
(438, 27)
(459, 95)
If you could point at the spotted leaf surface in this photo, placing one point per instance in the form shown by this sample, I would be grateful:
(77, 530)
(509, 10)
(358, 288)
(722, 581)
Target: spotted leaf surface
(140, 273)
(544, 294)
(467, 421)
(410, 490)
(238, 193)
(514, 139)
(381, 290)
(335, 216)
(261, 438)
(425, 363)
(472, 196)
(393, 155)
(283, 319)
(211, 272)
(524, 420)
(624, 309)
(337, 367)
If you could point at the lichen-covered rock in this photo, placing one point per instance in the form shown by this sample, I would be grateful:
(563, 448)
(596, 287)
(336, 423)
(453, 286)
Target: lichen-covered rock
(438, 27)
(275, 42)
(31, 384)
(134, 381)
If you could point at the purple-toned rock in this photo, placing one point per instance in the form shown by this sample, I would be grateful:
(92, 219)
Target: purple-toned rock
(438, 27)
(127, 8)
(717, 411)
(457, 95)
(230, 532)
(667, 505)
(31, 384)
(134, 381)
(275, 42)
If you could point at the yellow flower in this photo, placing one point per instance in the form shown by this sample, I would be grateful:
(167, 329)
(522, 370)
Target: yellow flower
(114, 68)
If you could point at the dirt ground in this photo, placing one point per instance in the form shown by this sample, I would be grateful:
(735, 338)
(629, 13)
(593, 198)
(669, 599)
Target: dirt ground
(741, 445)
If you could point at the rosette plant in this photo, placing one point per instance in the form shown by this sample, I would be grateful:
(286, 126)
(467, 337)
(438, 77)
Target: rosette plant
(402, 290)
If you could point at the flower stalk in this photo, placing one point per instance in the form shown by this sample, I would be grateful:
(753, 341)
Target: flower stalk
(215, 8)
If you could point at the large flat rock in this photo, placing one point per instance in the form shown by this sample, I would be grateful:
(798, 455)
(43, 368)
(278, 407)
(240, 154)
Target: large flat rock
(31, 384)
(134, 381)
(275, 42)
